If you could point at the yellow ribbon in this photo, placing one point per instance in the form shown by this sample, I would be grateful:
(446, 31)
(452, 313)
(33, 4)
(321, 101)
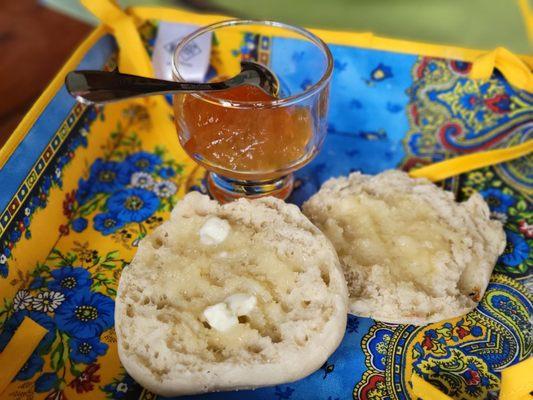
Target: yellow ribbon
(459, 165)
(133, 58)
(513, 68)
(19, 349)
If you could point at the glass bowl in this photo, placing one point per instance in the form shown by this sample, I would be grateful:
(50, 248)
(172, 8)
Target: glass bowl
(250, 142)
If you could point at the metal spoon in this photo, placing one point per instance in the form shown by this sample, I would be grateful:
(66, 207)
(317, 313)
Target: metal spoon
(90, 87)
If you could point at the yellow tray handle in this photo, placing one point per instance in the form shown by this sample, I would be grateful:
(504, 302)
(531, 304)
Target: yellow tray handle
(133, 58)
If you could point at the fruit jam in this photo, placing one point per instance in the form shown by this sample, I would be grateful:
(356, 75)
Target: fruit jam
(243, 143)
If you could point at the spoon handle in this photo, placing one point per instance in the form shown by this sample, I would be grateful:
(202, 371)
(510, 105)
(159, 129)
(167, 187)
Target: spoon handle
(101, 86)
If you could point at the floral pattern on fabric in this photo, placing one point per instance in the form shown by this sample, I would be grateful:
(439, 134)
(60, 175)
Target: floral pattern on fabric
(126, 189)
(122, 388)
(513, 209)
(70, 297)
(71, 293)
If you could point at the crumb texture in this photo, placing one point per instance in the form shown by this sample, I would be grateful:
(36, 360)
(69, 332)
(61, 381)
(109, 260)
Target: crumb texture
(268, 251)
(410, 252)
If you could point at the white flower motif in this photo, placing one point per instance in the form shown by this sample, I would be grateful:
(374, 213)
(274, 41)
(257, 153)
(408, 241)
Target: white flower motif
(58, 173)
(165, 189)
(502, 217)
(22, 300)
(122, 387)
(142, 180)
(48, 301)
(84, 132)
(3, 259)
(27, 211)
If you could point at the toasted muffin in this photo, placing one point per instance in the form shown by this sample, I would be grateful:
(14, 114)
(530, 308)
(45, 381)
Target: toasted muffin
(410, 253)
(224, 297)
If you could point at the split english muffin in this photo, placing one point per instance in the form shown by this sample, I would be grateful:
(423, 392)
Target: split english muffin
(223, 297)
(411, 254)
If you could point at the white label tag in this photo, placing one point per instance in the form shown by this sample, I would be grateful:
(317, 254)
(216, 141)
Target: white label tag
(195, 57)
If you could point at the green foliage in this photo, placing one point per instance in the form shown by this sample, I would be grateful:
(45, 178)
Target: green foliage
(57, 358)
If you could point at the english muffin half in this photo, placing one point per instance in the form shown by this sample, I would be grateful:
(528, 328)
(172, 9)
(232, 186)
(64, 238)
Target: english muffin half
(410, 253)
(224, 297)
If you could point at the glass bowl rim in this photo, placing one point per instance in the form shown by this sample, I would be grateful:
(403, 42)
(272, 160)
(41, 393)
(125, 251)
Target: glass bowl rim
(287, 101)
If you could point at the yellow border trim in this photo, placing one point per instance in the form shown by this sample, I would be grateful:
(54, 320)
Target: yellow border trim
(461, 164)
(360, 39)
(18, 201)
(37, 108)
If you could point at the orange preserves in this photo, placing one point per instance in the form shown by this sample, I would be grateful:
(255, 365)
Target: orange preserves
(243, 143)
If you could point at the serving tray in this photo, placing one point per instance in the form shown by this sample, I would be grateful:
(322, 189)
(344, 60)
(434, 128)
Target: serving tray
(64, 239)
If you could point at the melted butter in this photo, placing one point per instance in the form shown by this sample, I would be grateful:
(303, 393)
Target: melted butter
(403, 235)
(200, 278)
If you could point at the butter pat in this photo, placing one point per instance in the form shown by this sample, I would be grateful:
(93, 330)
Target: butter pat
(214, 231)
(220, 317)
(241, 303)
(223, 316)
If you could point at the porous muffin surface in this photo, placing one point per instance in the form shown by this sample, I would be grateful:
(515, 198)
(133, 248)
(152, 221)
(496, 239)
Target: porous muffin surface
(191, 267)
(410, 252)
